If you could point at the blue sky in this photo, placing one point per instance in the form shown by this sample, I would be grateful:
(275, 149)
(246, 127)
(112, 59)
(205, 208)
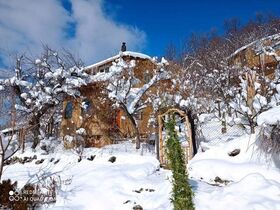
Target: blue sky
(94, 29)
(168, 21)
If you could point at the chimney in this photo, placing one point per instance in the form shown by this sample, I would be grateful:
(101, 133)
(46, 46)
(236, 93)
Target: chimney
(123, 48)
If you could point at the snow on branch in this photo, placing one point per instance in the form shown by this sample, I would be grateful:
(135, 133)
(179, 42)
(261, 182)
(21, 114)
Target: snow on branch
(124, 87)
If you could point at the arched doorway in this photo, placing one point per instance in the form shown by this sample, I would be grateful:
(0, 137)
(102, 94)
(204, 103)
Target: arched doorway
(184, 133)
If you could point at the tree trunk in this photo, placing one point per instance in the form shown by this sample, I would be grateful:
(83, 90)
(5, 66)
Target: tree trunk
(157, 139)
(136, 131)
(251, 124)
(135, 127)
(252, 128)
(224, 123)
(22, 139)
(35, 123)
(36, 133)
(194, 142)
(1, 157)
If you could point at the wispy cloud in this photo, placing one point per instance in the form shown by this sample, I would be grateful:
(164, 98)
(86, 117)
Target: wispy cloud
(86, 30)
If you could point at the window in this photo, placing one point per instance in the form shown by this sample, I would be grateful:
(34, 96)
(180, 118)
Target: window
(103, 69)
(139, 116)
(68, 110)
(243, 57)
(86, 107)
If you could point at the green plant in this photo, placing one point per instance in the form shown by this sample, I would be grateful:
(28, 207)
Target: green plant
(182, 195)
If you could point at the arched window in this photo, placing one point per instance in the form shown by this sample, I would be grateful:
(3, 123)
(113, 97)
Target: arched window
(147, 77)
(68, 110)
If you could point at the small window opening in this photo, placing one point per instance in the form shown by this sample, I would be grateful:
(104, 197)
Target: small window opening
(86, 107)
(68, 110)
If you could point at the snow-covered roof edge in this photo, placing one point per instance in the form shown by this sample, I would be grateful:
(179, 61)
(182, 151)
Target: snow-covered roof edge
(126, 53)
(274, 36)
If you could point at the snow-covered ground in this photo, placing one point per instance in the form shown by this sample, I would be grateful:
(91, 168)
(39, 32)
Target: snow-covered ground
(252, 179)
(134, 178)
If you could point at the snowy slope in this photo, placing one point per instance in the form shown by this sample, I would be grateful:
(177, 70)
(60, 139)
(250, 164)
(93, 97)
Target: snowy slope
(254, 179)
(135, 177)
(100, 184)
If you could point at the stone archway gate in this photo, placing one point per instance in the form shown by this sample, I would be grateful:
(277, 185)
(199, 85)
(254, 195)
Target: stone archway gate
(188, 149)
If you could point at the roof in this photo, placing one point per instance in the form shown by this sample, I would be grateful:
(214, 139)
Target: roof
(125, 53)
(275, 38)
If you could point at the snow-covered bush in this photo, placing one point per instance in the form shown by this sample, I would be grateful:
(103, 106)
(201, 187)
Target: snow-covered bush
(254, 95)
(41, 85)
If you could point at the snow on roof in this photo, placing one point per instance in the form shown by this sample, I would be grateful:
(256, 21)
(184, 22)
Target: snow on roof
(126, 53)
(271, 37)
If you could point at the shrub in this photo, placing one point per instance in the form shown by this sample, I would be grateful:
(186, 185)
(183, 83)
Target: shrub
(182, 195)
(28, 197)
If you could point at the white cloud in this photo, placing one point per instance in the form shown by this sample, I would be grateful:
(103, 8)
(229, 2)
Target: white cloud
(27, 24)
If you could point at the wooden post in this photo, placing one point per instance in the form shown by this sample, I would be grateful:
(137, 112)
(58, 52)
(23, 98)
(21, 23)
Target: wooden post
(219, 108)
(157, 140)
(22, 139)
(160, 139)
(224, 123)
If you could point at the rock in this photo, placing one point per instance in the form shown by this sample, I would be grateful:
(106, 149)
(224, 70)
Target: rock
(55, 162)
(138, 191)
(7, 162)
(91, 158)
(39, 161)
(112, 159)
(221, 181)
(137, 207)
(29, 160)
(234, 152)
(150, 190)
(44, 147)
(218, 179)
(20, 160)
(128, 201)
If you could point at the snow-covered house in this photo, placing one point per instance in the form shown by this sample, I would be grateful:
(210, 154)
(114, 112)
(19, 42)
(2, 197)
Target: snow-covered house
(262, 55)
(101, 121)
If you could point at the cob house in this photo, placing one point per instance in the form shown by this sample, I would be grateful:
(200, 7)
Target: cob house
(262, 55)
(94, 118)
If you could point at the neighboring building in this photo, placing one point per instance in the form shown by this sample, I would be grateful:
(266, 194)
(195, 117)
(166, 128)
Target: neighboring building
(262, 55)
(87, 111)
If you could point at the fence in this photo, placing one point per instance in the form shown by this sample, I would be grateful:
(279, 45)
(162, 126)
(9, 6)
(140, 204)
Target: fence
(212, 131)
